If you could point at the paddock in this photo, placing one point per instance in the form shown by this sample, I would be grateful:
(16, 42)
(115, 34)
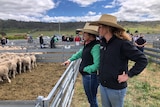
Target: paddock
(59, 87)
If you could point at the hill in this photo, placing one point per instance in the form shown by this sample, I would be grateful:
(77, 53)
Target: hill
(13, 26)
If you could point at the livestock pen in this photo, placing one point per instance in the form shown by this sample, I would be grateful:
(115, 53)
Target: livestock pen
(61, 94)
(64, 88)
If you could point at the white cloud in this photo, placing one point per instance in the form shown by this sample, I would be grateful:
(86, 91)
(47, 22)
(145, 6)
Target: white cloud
(138, 10)
(26, 10)
(84, 3)
(112, 4)
(90, 13)
(70, 19)
(35, 10)
(108, 6)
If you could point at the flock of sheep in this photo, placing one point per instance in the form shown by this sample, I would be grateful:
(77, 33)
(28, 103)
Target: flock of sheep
(11, 48)
(12, 64)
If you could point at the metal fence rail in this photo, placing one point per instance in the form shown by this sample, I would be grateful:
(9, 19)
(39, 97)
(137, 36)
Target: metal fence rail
(153, 54)
(156, 44)
(17, 103)
(60, 96)
(62, 92)
(35, 44)
(48, 55)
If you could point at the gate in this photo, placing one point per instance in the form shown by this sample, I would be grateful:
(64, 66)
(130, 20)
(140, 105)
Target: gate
(62, 92)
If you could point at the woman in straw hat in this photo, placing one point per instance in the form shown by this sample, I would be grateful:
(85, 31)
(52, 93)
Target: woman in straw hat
(90, 62)
(115, 51)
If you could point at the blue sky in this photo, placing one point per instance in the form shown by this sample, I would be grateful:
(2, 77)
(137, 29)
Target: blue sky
(69, 8)
(79, 10)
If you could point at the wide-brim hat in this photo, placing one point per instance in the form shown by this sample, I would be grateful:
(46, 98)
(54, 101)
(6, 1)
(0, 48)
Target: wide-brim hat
(79, 31)
(90, 29)
(108, 20)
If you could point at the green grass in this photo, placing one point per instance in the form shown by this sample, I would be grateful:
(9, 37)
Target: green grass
(143, 90)
(51, 33)
(144, 29)
(36, 34)
(140, 28)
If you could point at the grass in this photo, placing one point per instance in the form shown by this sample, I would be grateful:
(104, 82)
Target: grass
(144, 29)
(143, 90)
(140, 28)
(36, 34)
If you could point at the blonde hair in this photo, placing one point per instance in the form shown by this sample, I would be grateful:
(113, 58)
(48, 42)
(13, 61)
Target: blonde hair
(120, 33)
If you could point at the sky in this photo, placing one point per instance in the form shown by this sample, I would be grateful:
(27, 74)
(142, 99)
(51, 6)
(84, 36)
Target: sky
(79, 10)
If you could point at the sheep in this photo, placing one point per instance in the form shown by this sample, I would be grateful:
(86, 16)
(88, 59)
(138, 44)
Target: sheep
(17, 60)
(4, 73)
(33, 61)
(26, 63)
(19, 64)
(11, 67)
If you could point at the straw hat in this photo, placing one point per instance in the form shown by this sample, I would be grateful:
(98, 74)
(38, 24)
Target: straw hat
(108, 20)
(90, 29)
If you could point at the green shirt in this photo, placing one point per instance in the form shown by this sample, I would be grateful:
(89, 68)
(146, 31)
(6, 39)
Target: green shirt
(95, 52)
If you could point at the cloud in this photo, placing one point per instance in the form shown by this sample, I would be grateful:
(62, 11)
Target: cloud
(37, 10)
(90, 13)
(108, 6)
(84, 3)
(112, 4)
(138, 10)
(24, 9)
(71, 19)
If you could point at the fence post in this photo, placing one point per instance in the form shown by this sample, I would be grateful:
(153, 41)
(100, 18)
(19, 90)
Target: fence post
(39, 101)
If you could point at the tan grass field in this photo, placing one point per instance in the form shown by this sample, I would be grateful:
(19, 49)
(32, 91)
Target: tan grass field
(143, 90)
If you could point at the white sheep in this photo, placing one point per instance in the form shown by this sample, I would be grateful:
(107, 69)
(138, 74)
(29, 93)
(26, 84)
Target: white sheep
(17, 60)
(4, 73)
(11, 67)
(19, 64)
(26, 63)
(33, 61)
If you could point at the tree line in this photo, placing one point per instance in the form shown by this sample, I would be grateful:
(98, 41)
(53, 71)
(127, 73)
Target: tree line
(9, 25)
(6, 25)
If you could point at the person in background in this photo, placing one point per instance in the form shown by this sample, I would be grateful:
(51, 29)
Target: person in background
(3, 41)
(30, 39)
(64, 38)
(52, 42)
(54, 39)
(89, 63)
(140, 42)
(41, 41)
(135, 37)
(115, 52)
(77, 39)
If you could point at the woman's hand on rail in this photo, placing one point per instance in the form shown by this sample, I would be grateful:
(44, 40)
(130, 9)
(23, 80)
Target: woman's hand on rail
(66, 62)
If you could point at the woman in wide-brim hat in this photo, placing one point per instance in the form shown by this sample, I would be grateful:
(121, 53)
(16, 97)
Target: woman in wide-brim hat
(115, 52)
(111, 21)
(90, 62)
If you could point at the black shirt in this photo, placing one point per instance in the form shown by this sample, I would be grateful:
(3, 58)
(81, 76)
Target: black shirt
(114, 57)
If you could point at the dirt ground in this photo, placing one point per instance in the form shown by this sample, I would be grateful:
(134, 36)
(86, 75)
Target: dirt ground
(29, 85)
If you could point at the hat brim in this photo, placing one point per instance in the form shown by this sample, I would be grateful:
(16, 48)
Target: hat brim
(80, 30)
(107, 23)
(90, 31)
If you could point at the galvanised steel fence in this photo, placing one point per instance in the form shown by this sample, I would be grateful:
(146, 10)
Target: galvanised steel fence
(153, 54)
(62, 92)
